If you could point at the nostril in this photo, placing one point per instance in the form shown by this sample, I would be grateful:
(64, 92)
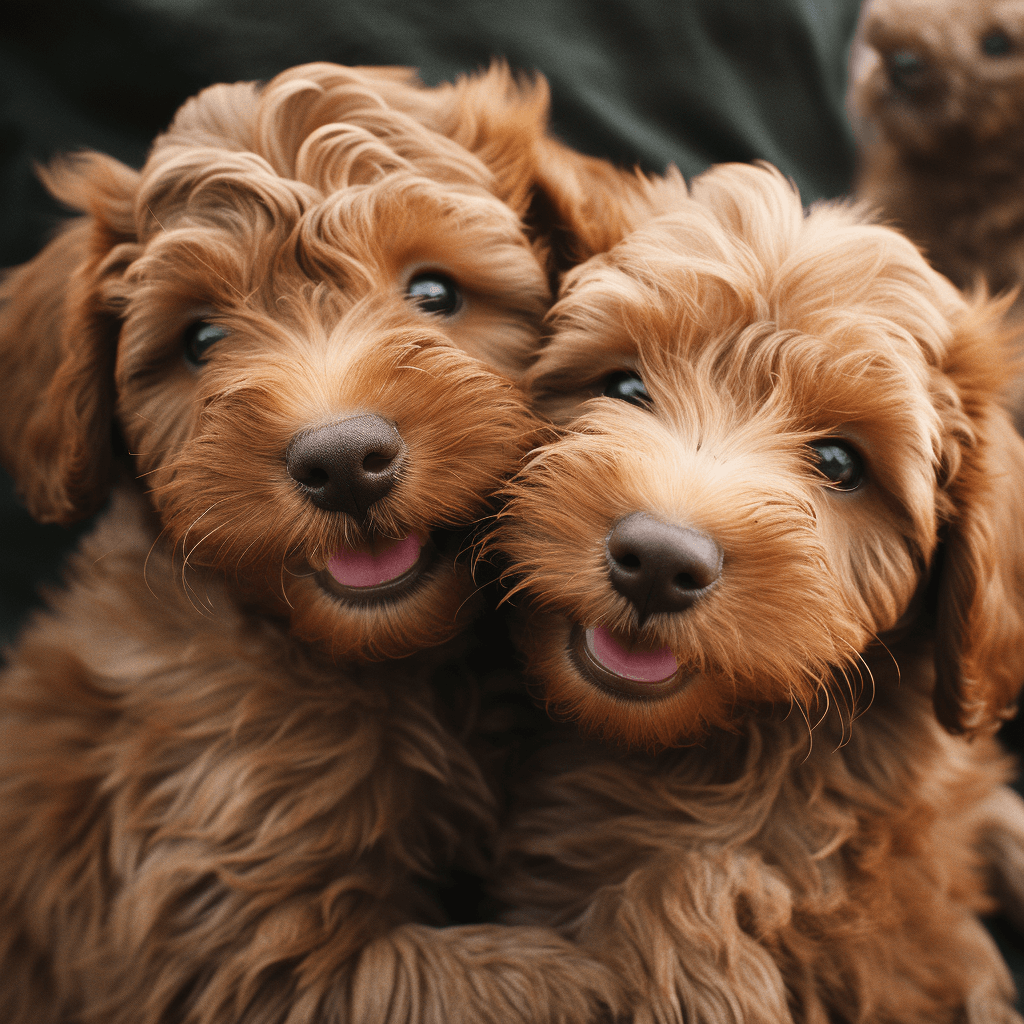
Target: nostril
(376, 462)
(686, 582)
(312, 476)
(628, 561)
(305, 467)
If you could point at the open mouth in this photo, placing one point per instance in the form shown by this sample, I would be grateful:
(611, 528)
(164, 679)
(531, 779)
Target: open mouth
(385, 570)
(624, 668)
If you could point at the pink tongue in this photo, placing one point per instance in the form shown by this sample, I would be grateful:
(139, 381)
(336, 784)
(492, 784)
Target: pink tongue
(640, 666)
(367, 569)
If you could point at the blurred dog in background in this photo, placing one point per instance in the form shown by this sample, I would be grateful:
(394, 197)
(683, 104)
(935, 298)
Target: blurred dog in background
(937, 102)
(937, 96)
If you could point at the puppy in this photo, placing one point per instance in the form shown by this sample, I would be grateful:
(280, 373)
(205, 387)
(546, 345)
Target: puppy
(937, 98)
(777, 542)
(303, 321)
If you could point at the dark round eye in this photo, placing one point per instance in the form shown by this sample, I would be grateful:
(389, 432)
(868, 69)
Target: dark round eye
(628, 387)
(996, 44)
(838, 462)
(435, 293)
(199, 338)
(907, 71)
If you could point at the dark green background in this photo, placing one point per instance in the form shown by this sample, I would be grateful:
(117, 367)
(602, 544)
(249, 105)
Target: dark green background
(692, 82)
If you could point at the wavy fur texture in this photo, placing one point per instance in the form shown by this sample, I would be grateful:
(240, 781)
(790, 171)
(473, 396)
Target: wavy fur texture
(802, 840)
(227, 793)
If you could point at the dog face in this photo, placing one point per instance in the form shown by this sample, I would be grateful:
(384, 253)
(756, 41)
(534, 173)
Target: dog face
(944, 78)
(307, 315)
(767, 424)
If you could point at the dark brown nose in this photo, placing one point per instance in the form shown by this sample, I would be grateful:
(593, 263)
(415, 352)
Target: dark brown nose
(347, 465)
(661, 567)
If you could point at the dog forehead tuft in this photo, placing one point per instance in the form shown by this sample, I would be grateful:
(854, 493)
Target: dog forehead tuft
(823, 273)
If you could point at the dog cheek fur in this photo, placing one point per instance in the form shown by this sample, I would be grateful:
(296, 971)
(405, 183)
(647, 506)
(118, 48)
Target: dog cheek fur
(227, 502)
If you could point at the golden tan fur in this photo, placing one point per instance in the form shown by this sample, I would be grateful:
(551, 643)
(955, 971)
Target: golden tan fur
(209, 810)
(807, 847)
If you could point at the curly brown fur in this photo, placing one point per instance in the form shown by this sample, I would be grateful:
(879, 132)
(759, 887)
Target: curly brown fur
(810, 849)
(210, 813)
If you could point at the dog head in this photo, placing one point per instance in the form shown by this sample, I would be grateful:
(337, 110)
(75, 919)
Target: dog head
(943, 79)
(306, 316)
(770, 426)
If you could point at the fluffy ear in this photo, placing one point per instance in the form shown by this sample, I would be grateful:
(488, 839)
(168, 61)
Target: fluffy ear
(979, 590)
(58, 332)
(582, 205)
(501, 119)
(574, 205)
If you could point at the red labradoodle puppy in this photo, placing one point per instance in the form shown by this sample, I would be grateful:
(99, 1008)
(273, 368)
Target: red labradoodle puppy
(780, 533)
(304, 319)
(937, 95)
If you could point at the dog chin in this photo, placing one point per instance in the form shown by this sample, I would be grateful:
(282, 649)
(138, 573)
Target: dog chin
(388, 600)
(625, 690)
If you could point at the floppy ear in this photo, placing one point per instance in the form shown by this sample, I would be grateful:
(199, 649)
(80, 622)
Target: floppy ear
(58, 332)
(979, 590)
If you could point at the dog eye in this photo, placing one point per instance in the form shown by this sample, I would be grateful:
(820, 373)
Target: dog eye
(628, 387)
(199, 339)
(996, 44)
(435, 293)
(838, 462)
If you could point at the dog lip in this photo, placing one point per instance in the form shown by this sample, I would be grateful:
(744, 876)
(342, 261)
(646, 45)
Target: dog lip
(589, 665)
(393, 589)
